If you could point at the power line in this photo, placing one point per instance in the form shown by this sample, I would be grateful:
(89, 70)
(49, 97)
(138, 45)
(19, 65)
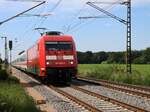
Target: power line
(21, 13)
(117, 2)
(53, 8)
(41, 21)
(25, 0)
(107, 13)
(71, 28)
(56, 5)
(29, 28)
(127, 23)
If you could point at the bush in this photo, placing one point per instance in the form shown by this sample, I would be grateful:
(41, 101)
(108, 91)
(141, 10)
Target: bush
(4, 106)
(0, 66)
(13, 79)
(3, 75)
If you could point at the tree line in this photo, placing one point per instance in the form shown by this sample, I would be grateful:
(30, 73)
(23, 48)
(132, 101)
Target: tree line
(89, 57)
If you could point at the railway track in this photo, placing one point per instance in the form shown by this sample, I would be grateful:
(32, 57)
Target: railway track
(131, 89)
(80, 102)
(91, 101)
(105, 104)
(113, 101)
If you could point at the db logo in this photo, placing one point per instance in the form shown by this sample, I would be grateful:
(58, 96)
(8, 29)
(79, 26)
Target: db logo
(60, 57)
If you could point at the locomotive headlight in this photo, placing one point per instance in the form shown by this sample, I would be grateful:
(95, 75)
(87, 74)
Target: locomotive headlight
(47, 63)
(71, 62)
(42, 69)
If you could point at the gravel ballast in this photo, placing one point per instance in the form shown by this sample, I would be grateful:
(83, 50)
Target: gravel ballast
(134, 100)
(95, 102)
(60, 104)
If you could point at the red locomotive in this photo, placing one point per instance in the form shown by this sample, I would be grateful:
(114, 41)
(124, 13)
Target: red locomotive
(53, 57)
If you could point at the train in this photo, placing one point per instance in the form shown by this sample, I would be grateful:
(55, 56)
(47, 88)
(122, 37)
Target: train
(53, 57)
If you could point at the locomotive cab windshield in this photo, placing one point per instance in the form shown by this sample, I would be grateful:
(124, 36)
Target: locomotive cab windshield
(59, 46)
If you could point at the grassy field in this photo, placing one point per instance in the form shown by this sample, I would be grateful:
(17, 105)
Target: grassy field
(115, 72)
(13, 97)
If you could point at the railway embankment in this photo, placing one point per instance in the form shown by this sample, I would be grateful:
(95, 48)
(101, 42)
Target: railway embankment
(13, 97)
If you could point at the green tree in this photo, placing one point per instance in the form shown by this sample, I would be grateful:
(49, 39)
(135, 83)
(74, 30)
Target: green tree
(147, 55)
(101, 56)
(116, 57)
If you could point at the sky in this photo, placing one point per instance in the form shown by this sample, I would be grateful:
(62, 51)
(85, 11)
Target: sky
(101, 34)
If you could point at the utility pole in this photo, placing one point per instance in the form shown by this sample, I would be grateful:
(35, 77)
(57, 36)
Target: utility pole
(10, 49)
(128, 49)
(6, 52)
(125, 22)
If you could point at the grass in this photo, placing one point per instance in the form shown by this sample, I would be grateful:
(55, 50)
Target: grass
(115, 72)
(13, 97)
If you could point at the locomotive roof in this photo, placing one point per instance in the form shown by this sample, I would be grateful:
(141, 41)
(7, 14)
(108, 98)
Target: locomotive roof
(56, 38)
(53, 33)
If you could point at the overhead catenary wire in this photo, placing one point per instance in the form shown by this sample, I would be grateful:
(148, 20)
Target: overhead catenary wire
(38, 23)
(2, 22)
(67, 26)
(126, 22)
(78, 25)
(51, 10)
(26, 0)
(29, 28)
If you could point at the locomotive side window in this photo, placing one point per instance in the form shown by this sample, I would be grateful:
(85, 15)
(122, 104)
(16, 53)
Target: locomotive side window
(58, 45)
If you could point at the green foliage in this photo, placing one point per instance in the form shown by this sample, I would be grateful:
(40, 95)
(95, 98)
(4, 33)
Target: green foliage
(3, 75)
(139, 60)
(5, 107)
(1, 61)
(116, 57)
(138, 57)
(147, 55)
(13, 79)
(115, 72)
(13, 98)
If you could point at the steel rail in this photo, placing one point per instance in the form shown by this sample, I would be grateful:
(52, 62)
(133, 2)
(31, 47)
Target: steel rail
(80, 102)
(115, 86)
(128, 85)
(127, 106)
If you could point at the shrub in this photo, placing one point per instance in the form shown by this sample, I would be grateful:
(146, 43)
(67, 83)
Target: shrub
(4, 106)
(13, 79)
(13, 98)
(3, 75)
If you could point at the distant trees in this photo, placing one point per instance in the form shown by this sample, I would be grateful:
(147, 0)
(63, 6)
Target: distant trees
(116, 57)
(147, 55)
(138, 57)
(1, 61)
(91, 58)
